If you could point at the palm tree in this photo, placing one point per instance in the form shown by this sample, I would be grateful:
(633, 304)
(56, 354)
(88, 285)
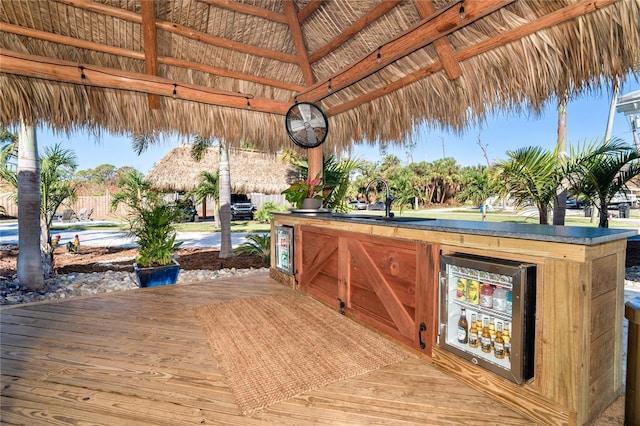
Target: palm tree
(57, 167)
(256, 245)
(600, 170)
(199, 148)
(29, 265)
(530, 175)
(209, 186)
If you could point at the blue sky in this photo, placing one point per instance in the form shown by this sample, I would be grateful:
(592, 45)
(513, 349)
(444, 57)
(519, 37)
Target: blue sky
(586, 121)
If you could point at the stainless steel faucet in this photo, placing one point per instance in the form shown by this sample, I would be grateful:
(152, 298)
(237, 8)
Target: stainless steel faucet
(388, 200)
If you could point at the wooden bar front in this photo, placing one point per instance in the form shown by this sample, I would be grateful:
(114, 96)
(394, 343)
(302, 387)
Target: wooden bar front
(386, 277)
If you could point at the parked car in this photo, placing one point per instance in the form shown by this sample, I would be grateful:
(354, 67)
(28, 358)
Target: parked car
(358, 205)
(241, 207)
(376, 206)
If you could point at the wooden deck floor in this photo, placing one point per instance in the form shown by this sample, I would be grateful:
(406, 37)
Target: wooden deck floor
(140, 358)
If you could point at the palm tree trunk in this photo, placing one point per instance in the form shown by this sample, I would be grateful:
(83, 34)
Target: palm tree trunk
(29, 264)
(560, 203)
(226, 250)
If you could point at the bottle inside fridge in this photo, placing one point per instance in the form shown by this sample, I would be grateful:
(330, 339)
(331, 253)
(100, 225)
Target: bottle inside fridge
(487, 313)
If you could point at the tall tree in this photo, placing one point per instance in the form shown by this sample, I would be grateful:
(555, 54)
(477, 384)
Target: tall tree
(198, 150)
(226, 249)
(560, 201)
(29, 264)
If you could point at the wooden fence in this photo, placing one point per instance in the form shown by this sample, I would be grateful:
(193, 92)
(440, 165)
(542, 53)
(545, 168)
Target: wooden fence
(100, 205)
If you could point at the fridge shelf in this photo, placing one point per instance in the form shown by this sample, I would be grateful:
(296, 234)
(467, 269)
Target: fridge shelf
(504, 282)
(477, 354)
(482, 310)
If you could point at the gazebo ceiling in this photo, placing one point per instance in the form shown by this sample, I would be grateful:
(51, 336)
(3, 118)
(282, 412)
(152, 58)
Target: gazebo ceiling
(232, 68)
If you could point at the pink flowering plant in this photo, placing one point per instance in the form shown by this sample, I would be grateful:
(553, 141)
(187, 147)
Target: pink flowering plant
(303, 189)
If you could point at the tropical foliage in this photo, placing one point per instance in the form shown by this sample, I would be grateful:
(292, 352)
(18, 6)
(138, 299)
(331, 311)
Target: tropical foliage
(530, 175)
(256, 244)
(151, 222)
(265, 213)
(332, 187)
(601, 169)
(57, 186)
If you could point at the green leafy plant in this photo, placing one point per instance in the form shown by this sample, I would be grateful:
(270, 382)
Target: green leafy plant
(152, 220)
(257, 244)
(303, 189)
(265, 213)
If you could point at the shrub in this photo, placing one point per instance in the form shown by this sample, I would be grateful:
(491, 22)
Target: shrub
(264, 214)
(258, 244)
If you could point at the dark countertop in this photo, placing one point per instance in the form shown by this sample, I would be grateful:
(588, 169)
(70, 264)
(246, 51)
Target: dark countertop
(559, 234)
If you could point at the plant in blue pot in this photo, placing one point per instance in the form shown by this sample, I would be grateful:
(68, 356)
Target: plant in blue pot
(152, 225)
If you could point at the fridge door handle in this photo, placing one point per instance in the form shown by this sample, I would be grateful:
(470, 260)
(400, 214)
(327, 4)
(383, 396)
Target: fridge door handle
(423, 327)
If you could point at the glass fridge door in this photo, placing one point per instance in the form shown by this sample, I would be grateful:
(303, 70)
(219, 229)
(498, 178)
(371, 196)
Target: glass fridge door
(284, 249)
(482, 313)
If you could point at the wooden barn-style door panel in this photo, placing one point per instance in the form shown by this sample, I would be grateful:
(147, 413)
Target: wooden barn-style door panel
(387, 283)
(318, 264)
(393, 288)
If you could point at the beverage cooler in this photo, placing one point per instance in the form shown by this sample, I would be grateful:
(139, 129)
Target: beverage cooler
(284, 249)
(487, 313)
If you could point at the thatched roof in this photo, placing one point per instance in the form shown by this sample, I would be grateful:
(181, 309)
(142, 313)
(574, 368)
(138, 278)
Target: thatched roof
(251, 171)
(231, 69)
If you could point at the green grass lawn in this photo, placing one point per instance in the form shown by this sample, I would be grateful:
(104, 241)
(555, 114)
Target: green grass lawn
(573, 218)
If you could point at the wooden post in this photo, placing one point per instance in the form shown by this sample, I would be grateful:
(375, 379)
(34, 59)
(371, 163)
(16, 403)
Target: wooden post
(314, 157)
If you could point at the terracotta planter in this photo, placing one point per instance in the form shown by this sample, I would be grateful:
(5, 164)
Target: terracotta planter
(154, 276)
(311, 204)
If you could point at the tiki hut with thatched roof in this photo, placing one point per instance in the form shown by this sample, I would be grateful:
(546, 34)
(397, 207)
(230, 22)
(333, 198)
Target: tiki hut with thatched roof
(262, 176)
(251, 171)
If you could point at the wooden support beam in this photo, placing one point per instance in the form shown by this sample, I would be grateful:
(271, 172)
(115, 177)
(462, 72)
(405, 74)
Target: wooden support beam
(308, 10)
(413, 39)
(443, 47)
(563, 15)
(89, 75)
(248, 10)
(150, 46)
(174, 28)
(298, 40)
(356, 27)
(314, 155)
(127, 53)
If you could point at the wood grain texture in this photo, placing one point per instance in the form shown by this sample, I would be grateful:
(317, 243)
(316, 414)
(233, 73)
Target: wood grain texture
(140, 358)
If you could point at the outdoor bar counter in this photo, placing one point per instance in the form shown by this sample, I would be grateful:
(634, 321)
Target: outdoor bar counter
(383, 273)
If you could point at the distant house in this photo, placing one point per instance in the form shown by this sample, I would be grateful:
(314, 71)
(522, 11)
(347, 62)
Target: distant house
(261, 176)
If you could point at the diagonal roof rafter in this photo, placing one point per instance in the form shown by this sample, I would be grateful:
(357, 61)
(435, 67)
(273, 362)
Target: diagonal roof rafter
(420, 36)
(560, 16)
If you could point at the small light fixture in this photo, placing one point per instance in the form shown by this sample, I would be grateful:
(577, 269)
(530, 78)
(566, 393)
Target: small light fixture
(379, 56)
(82, 76)
(329, 87)
(461, 10)
(175, 86)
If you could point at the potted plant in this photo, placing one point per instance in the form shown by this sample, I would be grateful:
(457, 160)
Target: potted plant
(305, 193)
(152, 224)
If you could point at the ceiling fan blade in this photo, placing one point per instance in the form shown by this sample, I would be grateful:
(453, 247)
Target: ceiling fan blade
(305, 112)
(296, 125)
(318, 122)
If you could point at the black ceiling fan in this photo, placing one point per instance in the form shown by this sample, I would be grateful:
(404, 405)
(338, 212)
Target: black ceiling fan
(307, 125)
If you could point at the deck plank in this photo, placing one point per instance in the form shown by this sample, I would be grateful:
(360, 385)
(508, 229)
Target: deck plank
(139, 357)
